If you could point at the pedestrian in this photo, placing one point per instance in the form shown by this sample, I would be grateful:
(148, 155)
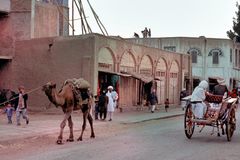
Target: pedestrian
(9, 112)
(115, 98)
(153, 100)
(110, 106)
(166, 104)
(21, 101)
(102, 105)
(183, 102)
(96, 107)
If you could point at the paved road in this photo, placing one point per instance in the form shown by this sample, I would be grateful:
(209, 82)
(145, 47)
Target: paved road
(155, 139)
(49, 122)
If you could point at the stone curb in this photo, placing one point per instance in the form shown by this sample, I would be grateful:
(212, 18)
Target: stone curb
(155, 118)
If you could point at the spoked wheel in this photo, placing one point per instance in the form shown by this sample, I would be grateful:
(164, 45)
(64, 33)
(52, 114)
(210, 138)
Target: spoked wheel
(230, 124)
(188, 123)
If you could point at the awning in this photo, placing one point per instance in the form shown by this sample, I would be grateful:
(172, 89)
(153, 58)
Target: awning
(196, 77)
(141, 77)
(215, 78)
(6, 57)
(158, 79)
(115, 73)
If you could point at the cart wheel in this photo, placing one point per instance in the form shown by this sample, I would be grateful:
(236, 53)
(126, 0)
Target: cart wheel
(230, 124)
(188, 123)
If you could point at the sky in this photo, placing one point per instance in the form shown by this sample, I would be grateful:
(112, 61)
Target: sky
(165, 18)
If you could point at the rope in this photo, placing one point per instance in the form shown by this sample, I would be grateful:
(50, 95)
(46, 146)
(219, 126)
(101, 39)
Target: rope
(18, 96)
(85, 18)
(100, 25)
(82, 22)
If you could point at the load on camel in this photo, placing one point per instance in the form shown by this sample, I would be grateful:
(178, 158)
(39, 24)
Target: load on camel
(72, 96)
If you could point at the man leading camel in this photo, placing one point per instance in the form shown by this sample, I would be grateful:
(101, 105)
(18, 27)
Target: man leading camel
(21, 100)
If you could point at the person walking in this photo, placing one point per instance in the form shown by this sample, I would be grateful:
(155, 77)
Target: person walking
(183, 102)
(166, 104)
(110, 106)
(96, 111)
(153, 100)
(102, 105)
(115, 98)
(21, 101)
(9, 111)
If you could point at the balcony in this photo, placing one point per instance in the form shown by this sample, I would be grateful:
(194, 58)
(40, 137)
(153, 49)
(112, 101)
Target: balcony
(5, 6)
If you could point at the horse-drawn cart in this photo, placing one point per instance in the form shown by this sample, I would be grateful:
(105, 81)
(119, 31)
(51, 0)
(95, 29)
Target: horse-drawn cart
(219, 114)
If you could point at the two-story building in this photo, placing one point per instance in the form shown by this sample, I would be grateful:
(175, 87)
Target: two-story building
(211, 57)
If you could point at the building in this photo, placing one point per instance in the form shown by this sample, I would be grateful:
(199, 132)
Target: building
(211, 57)
(27, 19)
(134, 70)
(35, 48)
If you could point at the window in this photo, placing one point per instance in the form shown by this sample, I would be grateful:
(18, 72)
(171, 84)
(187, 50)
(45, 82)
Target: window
(215, 53)
(215, 59)
(170, 48)
(195, 52)
(194, 56)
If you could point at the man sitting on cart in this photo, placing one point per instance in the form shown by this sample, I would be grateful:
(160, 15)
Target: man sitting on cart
(198, 97)
(221, 88)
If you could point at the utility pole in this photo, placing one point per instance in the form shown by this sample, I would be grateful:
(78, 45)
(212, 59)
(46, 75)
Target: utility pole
(73, 18)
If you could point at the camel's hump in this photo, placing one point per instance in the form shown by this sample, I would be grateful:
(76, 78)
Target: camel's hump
(79, 83)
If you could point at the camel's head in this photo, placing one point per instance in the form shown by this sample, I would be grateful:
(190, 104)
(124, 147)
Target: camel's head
(47, 88)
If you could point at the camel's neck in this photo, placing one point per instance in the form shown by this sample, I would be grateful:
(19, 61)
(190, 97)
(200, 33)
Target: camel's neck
(55, 98)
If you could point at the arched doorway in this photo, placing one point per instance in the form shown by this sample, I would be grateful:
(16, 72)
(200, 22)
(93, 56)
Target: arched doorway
(160, 75)
(106, 74)
(146, 68)
(174, 83)
(105, 60)
(128, 85)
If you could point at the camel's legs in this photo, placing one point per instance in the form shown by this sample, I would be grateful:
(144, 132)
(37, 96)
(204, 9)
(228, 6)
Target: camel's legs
(85, 114)
(70, 124)
(90, 120)
(62, 125)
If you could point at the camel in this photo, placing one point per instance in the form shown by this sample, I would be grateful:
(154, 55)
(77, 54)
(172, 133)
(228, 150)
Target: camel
(65, 99)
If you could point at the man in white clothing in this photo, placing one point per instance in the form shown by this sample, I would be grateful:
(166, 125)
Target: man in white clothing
(115, 98)
(197, 99)
(110, 106)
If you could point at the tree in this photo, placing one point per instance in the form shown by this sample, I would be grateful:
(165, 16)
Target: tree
(236, 24)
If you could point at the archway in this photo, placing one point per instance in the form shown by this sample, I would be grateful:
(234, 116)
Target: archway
(174, 83)
(106, 74)
(127, 63)
(146, 68)
(128, 85)
(105, 59)
(161, 70)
